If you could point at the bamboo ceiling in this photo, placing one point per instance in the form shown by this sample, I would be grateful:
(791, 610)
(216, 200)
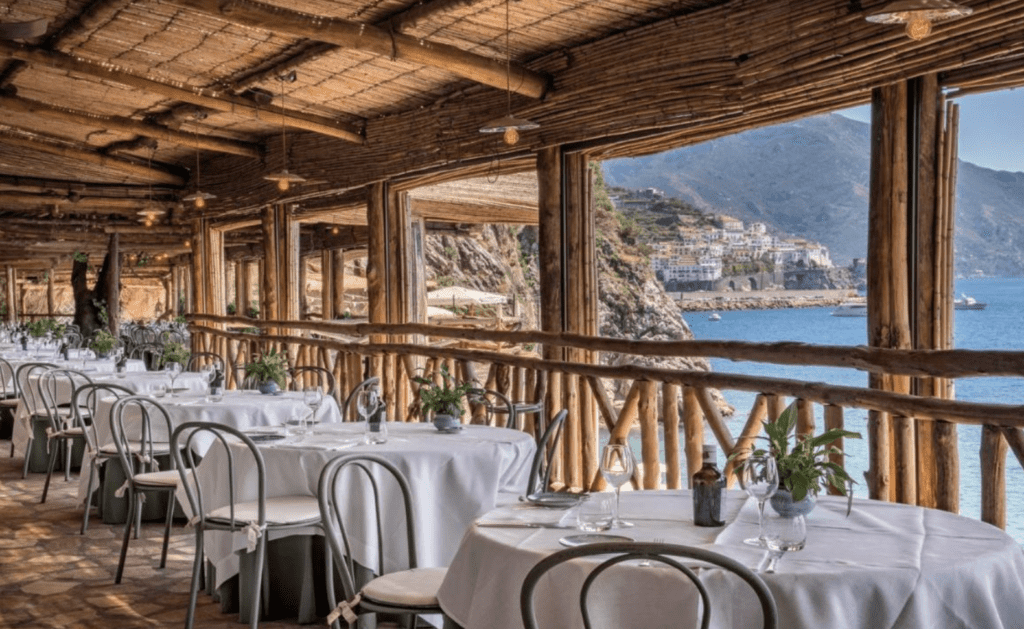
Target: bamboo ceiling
(107, 111)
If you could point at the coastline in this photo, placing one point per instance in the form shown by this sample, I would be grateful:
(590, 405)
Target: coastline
(761, 300)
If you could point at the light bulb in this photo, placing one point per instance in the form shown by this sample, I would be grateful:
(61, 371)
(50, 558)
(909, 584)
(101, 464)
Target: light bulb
(334, 230)
(918, 27)
(283, 185)
(200, 202)
(148, 223)
(511, 136)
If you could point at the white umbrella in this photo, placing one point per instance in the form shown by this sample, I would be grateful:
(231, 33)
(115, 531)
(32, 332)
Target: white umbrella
(460, 296)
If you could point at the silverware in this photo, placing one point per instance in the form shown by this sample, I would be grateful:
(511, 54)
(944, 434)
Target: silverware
(524, 525)
(646, 563)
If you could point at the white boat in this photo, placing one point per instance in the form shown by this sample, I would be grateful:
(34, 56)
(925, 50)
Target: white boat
(851, 309)
(715, 317)
(968, 303)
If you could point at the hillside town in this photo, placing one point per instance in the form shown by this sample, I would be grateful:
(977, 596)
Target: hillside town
(707, 248)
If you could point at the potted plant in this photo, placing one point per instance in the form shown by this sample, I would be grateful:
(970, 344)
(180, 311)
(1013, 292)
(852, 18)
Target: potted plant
(175, 352)
(803, 463)
(102, 343)
(268, 371)
(443, 400)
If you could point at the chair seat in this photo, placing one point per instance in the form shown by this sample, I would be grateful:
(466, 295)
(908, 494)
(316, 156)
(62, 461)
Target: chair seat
(280, 510)
(11, 402)
(416, 587)
(167, 478)
(68, 433)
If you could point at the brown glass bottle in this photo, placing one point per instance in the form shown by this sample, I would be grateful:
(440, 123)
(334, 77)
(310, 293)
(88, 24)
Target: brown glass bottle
(707, 491)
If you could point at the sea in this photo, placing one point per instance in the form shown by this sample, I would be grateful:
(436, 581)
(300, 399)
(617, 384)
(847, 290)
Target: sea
(998, 326)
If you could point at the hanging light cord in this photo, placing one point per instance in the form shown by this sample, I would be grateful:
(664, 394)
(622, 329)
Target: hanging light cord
(508, 59)
(195, 136)
(284, 147)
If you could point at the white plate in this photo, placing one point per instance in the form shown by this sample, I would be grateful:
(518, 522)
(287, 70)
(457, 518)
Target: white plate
(555, 500)
(592, 538)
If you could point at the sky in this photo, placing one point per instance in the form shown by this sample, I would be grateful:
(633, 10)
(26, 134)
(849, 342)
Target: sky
(991, 128)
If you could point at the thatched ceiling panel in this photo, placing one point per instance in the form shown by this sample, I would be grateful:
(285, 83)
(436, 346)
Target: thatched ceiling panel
(29, 163)
(64, 89)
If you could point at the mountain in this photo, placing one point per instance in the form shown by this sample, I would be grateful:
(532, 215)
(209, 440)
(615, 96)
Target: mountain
(810, 178)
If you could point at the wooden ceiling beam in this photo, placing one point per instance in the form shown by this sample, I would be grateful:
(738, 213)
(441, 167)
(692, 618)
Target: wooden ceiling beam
(368, 38)
(90, 156)
(457, 212)
(218, 101)
(127, 125)
(82, 204)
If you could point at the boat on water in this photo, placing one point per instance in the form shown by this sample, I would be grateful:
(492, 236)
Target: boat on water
(851, 309)
(715, 317)
(968, 303)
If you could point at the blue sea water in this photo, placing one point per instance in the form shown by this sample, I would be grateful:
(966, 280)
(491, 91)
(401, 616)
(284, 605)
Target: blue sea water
(996, 327)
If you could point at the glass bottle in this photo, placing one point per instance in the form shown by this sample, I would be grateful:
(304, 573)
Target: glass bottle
(707, 490)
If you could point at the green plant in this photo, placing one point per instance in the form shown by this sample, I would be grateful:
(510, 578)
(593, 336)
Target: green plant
(803, 462)
(175, 352)
(102, 341)
(41, 327)
(269, 366)
(443, 398)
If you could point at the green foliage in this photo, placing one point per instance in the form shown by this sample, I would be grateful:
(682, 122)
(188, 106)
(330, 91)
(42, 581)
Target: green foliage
(231, 308)
(444, 398)
(102, 341)
(175, 352)
(41, 327)
(451, 252)
(78, 256)
(254, 310)
(445, 281)
(269, 366)
(803, 462)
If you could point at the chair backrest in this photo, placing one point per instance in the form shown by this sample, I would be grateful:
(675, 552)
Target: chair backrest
(148, 353)
(312, 376)
(184, 445)
(540, 470)
(57, 387)
(666, 554)
(30, 394)
(336, 482)
(72, 339)
(350, 399)
(8, 383)
(141, 428)
(495, 406)
(85, 404)
(197, 360)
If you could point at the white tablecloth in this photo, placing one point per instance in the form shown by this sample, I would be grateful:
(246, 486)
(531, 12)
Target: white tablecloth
(886, 566)
(454, 479)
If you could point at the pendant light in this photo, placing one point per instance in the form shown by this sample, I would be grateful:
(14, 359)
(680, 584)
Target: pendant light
(198, 197)
(150, 212)
(509, 125)
(283, 178)
(918, 15)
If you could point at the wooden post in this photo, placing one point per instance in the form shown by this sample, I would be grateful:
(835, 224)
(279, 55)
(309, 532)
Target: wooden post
(50, 306)
(327, 312)
(198, 246)
(10, 275)
(270, 281)
(670, 421)
(804, 418)
(549, 243)
(571, 442)
(693, 428)
(649, 442)
(993, 476)
(834, 421)
(338, 275)
(113, 295)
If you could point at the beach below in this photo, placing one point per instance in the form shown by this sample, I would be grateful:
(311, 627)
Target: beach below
(704, 301)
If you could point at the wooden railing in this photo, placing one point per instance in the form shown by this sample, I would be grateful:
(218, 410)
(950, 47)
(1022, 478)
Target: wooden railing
(511, 362)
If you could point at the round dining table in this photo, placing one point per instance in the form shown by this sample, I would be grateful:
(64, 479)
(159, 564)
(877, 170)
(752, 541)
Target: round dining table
(884, 566)
(454, 478)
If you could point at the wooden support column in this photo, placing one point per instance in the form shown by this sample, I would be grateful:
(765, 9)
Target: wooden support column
(327, 285)
(113, 295)
(376, 262)
(280, 286)
(50, 306)
(693, 429)
(10, 275)
(549, 243)
(338, 275)
(993, 476)
(198, 246)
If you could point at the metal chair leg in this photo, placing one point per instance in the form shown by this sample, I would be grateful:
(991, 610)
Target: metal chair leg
(133, 501)
(88, 495)
(167, 529)
(68, 447)
(49, 471)
(28, 457)
(254, 611)
(193, 596)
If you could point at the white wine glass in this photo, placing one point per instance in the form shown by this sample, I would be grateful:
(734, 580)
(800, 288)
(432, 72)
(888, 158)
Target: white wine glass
(366, 404)
(759, 477)
(313, 397)
(172, 370)
(617, 468)
(782, 534)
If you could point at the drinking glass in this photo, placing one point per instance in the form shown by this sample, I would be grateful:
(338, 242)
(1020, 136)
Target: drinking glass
(366, 404)
(782, 534)
(595, 514)
(375, 432)
(313, 397)
(87, 355)
(759, 476)
(617, 468)
(172, 370)
(208, 372)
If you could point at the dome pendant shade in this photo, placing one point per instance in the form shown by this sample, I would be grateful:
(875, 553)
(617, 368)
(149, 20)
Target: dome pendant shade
(918, 15)
(510, 126)
(284, 179)
(199, 198)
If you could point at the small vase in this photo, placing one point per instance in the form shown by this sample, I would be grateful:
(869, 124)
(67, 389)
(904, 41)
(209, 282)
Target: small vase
(268, 387)
(782, 503)
(446, 423)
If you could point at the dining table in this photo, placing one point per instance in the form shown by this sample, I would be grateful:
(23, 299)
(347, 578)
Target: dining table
(883, 566)
(454, 478)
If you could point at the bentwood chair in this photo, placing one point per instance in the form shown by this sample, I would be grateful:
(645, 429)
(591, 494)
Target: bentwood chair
(409, 592)
(350, 399)
(256, 517)
(85, 404)
(140, 427)
(667, 554)
(8, 396)
(496, 408)
(312, 376)
(198, 360)
(65, 430)
(539, 480)
(32, 399)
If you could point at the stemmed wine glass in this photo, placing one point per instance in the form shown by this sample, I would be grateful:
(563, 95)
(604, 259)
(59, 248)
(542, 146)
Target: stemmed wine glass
(366, 403)
(782, 534)
(759, 476)
(313, 397)
(617, 468)
(172, 370)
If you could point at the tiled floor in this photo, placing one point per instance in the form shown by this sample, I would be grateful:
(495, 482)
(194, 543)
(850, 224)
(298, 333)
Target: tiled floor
(50, 576)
